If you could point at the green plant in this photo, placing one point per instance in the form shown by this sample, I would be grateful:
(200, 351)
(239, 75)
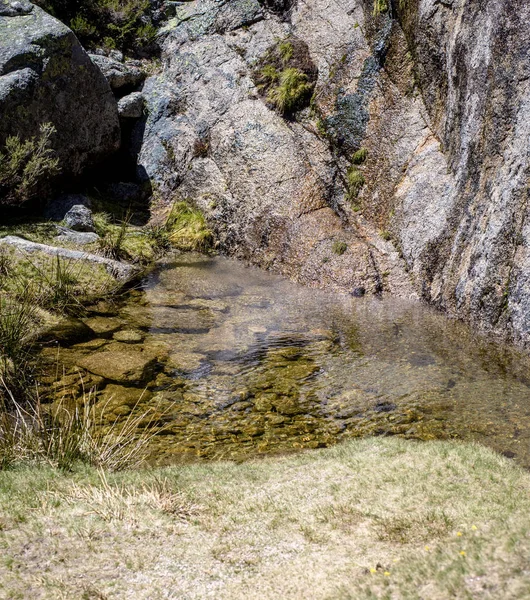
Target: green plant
(5, 263)
(269, 74)
(82, 28)
(26, 165)
(360, 156)
(339, 247)
(187, 229)
(380, 6)
(123, 24)
(285, 75)
(355, 182)
(72, 432)
(292, 90)
(286, 50)
(112, 244)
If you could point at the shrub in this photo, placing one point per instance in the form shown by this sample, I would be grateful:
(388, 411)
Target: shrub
(123, 24)
(26, 165)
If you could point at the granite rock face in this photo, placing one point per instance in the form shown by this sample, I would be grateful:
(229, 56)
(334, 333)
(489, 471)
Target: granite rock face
(414, 154)
(46, 76)
(272, 188)
(471, 255)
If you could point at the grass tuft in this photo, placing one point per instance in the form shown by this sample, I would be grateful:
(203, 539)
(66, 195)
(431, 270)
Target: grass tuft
(292, 91)
(339, 247)
(187, 229)
(355, 182)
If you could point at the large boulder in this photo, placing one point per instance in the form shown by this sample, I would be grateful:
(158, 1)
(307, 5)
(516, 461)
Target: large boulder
(46, 76)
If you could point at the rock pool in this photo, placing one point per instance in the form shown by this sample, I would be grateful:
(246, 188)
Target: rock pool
(233, 362)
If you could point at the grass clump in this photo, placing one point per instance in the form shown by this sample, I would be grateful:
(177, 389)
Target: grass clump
(187, 229)
(339, 248)
(355, 181)
(72, 431)
(27, 165)
(360, 156)
(285, 76)
(291, 92)
(380, 6)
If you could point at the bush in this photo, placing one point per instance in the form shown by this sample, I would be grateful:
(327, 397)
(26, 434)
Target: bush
(126, 25)
(25, 166)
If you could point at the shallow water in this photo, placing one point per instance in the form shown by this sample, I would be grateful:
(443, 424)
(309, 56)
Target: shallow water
(243, 362)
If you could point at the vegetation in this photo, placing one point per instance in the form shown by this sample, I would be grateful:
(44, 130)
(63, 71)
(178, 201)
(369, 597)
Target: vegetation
(291, 91)
(286, 76)
(360, 156)
(339, 247)
(185, 228)
(374, 518)
(126, 25)
(70, 433)
(26, 165)
(380, 6)
(355, 182)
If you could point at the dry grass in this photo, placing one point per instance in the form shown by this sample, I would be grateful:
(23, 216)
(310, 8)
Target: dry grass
(374, 518)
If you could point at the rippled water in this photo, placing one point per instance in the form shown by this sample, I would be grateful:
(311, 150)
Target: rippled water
(238, 362)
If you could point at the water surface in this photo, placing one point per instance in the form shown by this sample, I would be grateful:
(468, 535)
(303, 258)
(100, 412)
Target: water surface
(243, 362)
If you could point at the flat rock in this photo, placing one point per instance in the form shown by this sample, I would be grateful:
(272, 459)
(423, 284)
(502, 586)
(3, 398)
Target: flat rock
(120, 366)
(80, 238)
(118, 269)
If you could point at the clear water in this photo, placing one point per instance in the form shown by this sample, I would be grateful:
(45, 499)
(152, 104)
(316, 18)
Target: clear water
(249, 363)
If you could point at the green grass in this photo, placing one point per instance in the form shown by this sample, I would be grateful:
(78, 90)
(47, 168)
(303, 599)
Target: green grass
(186, 228)
(291, 92)
(360, 156)
(373, 518)
(380, 6)
(355, 181)
(339, 247)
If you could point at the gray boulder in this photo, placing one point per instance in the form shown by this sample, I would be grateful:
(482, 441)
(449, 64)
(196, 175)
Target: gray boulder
(79, 218)
(119, 74)
(79, 238)
(46, 76)
(131, 106)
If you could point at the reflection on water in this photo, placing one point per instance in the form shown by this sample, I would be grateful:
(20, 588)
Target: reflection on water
(238, 362)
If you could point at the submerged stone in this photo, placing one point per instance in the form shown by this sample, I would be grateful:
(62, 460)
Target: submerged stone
(124, 367)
